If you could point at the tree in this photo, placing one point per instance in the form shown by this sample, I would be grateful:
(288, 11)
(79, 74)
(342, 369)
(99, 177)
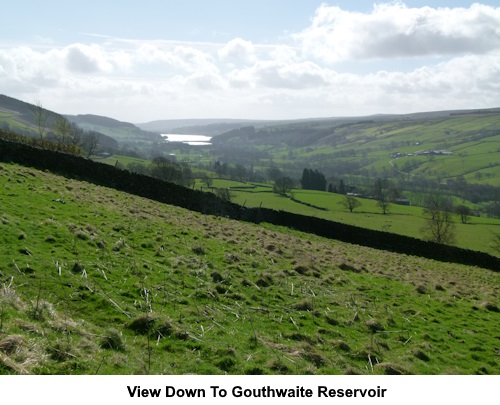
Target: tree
(350, 203)
(138, 168)
(313, 180)
(439, 226)
(90, 142)
(383, 203)
(274, 173)
(223, 193)
(62, 130)
(164, 169)
(240, 172)
(220, 168)
(41, 115)
(341, 188)
(381, 195)
(464, 213)
(77, 135)
(283, 185)
(206, 180)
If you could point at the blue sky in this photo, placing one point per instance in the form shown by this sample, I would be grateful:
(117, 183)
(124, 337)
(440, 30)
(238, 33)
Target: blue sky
(145, 60)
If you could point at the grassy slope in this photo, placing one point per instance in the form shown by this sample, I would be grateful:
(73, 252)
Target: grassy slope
(85, 282)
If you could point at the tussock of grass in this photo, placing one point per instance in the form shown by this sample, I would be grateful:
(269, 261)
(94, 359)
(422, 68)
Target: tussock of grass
(391, 369)
(143, 324)
(374, 325)
(341, 345)
(490, 306)
(304, 305)
(349, 267)
(113, 340)
(11, 343)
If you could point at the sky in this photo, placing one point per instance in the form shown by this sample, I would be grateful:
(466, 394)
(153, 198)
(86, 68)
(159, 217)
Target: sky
(140, 61)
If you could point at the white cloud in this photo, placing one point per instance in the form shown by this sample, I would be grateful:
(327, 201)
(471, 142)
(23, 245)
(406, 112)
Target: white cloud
(395, 30)
(238, 51)
(87, 59)
(291, 75)
(138, 80)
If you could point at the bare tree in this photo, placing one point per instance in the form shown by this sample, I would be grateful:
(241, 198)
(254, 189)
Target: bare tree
(439, 226)
(381, 195)
(63, 130)
(207, 180)
(77, 135)
(283, 185)
(41, 115)
(464, 213)
(350, 203)
(384, 204)
(90, 143)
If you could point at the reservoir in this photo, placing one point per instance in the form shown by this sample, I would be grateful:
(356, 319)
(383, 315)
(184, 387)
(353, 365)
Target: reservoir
(189, 139)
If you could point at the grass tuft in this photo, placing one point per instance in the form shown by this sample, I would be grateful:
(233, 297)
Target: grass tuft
(11, 343)
(113, 340)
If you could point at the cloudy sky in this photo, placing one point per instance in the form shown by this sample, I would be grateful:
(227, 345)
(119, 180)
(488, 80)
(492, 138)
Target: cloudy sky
(140, 61)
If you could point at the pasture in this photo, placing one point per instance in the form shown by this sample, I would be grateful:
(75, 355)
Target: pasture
(95, 281)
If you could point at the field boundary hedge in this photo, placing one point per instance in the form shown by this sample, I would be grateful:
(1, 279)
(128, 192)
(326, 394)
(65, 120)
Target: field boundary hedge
(207, 203)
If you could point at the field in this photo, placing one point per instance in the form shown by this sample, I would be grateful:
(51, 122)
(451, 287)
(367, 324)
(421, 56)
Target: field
(477, 234)
(95, 281)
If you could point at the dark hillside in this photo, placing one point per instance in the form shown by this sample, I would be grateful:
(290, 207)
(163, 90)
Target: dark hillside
(23, 112)
(119, 130)
(98, 120)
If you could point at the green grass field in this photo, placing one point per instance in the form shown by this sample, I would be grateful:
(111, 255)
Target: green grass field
(477, 234)
(95, 281)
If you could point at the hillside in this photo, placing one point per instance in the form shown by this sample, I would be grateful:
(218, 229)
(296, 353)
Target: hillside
(124, 132)
(209, 127)
(442, 146)
(18, 116)
(99, 281)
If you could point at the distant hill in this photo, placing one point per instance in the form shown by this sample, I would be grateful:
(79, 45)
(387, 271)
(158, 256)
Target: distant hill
(209, 127)
(218, 126)
(124, 132)
(442, 145)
